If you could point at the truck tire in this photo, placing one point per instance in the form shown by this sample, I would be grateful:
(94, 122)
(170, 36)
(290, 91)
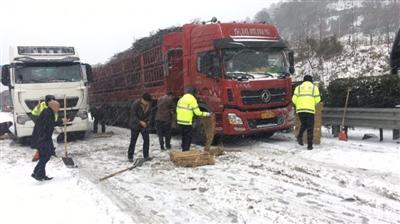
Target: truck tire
(268, 134)
(26, 141)
(79, 135)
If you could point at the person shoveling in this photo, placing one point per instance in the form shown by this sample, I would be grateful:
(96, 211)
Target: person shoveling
(41, 138)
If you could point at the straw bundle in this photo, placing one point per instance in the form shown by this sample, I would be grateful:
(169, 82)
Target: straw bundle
(317, 126)
(192, 158)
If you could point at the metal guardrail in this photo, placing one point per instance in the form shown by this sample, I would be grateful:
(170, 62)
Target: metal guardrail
(386, 118)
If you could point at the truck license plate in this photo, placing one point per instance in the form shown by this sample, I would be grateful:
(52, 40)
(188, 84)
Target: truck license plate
(267, 115)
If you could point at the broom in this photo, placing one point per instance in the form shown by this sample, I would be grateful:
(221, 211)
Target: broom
(67, 160)
(342, 132)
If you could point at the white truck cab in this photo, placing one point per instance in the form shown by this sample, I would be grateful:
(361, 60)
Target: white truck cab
(37, 71)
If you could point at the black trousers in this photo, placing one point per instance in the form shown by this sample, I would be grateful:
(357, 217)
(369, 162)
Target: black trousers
(96, 123)
(186, 131)
(146, 139)
(40, 169)
(164, 131)
(307, 123)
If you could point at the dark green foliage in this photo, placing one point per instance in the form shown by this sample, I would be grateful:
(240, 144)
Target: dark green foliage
(330, 46)
(367, 92)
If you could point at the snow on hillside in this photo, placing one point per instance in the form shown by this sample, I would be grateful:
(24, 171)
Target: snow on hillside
(344, 4)
(257, 181)
(363, 61)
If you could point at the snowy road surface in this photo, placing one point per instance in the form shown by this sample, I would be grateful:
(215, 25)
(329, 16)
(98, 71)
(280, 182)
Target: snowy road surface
(256, 181)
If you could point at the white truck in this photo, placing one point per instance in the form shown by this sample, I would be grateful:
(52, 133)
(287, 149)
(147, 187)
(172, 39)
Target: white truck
(37, 71)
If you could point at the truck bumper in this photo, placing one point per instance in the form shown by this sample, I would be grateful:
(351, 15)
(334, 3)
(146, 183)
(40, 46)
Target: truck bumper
(77, 125)
(255, 122)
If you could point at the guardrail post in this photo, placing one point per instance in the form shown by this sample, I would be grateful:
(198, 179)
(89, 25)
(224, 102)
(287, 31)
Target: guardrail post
(380, 134)
(396, 134)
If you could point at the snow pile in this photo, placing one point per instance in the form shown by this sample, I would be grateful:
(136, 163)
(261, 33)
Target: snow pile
(68, 198)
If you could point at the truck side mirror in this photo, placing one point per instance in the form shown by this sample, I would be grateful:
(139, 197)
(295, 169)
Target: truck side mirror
(89, 73)
(5, 75)
(291, 62)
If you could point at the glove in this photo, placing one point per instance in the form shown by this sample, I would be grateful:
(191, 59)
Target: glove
(207, 114)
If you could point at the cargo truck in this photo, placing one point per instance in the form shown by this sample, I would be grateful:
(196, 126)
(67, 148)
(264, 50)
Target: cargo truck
(37, 71)
(242, 72)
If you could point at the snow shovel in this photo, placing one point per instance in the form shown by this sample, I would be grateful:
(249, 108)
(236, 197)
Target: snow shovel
(67, 160)
(342, 132)
(138, 162)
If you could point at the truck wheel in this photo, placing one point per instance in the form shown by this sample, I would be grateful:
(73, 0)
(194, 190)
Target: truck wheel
(268, 135)
(80, 135)
(25, 140)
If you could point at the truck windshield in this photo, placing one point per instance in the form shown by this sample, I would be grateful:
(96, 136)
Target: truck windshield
(254, 63)
(46, 73)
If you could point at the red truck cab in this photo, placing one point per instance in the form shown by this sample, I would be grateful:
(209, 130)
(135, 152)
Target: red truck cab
(241, 71)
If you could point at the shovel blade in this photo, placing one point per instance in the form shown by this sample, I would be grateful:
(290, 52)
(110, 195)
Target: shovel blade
(69, 162)
(342, 136)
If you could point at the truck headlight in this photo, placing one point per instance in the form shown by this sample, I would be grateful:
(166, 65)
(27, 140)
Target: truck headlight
(22, 119)
(234, 119)
(83, 115)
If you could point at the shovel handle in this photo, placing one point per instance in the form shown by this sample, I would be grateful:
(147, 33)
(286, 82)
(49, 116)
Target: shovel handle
(345, 106)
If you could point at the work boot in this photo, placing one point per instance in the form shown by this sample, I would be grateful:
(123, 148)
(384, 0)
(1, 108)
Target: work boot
(300, 140)
(130, 160)
(309, 147)
(36, 178)
(147, 159)
(47, 178)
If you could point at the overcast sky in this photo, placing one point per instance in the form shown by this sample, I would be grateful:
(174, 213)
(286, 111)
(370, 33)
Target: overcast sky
(100, 28)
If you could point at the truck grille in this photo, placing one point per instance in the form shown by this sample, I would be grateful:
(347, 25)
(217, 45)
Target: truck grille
(262, 123)
(71, 114)
(262, 96)
(71, 102)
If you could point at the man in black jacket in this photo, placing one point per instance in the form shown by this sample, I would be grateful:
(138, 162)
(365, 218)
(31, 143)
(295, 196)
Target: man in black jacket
(139, 118)
(41, 139)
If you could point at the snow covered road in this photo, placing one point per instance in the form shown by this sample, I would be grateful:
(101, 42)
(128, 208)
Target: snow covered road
(256, 181)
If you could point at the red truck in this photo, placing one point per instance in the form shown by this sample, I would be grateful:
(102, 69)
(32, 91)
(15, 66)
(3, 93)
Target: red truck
(241, 71)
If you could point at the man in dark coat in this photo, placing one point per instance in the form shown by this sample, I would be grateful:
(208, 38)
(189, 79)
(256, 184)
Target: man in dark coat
(139, 118)
(36, 111)
(165, 108)
(41, 139)
(98, 115)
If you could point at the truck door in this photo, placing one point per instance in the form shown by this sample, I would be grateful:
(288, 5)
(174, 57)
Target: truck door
(175, 72)
(208, 79)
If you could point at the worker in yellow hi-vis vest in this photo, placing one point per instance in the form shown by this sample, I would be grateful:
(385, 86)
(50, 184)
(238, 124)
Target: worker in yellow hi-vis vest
(305, 98)
(186, 108)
